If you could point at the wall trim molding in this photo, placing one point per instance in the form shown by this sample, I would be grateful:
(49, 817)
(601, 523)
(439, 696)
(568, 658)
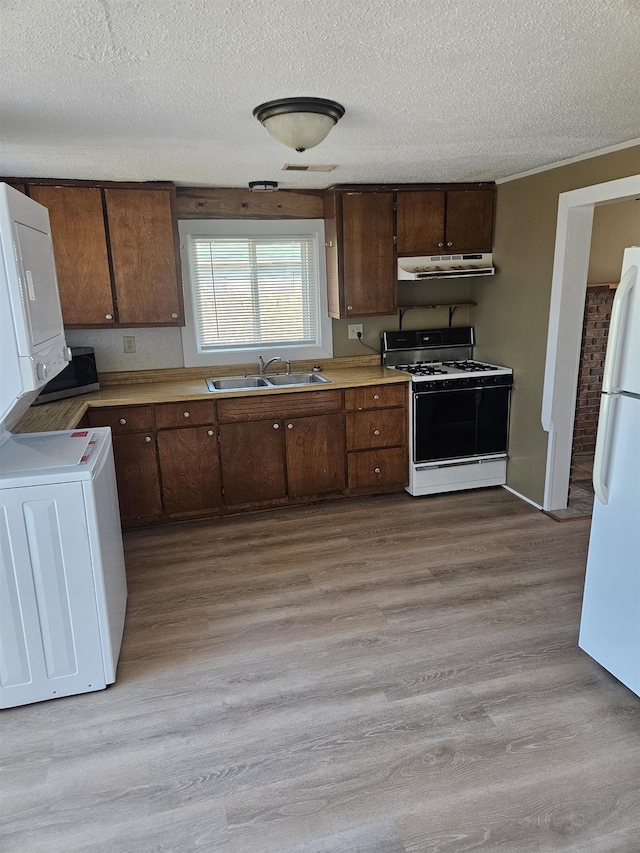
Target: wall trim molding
(566, 310)
(609, 150)
(522, 497)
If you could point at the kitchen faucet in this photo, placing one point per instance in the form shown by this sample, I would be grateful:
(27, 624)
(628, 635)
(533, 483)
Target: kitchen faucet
(262, 367)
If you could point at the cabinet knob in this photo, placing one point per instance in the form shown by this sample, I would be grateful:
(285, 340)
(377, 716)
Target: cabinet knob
(276, 426)
(449, 244)
(289, 426)
(349, 307)
(376, 432)
(123, 421)
(108, 316)
(147, 438)
(174, 316)
(209, 432)
(376, 396)
(440, 245)
(376, 470)
(186, 414)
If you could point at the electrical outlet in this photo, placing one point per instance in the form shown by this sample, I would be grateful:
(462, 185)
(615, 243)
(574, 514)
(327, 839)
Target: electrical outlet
(354, 328)
(129, 343)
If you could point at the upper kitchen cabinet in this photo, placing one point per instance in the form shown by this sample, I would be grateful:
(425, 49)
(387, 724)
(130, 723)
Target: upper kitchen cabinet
(80, 246)
(361, 270)
(116, 253)
(143, 241)
(441, 221)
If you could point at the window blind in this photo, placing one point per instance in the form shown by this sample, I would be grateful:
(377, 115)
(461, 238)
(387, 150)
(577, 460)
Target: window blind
(254, 290)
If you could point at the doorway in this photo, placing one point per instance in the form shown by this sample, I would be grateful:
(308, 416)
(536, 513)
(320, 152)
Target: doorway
(568, 290)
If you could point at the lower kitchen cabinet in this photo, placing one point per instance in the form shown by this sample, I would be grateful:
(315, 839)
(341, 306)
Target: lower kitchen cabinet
(190, 470)
(379, 469)
(315, 455)
(137, 476)
(377, 432)
(255, 451)
(252, 457)
(136, 459)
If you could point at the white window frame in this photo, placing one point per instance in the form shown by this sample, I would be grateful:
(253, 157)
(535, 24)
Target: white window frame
(193, 357)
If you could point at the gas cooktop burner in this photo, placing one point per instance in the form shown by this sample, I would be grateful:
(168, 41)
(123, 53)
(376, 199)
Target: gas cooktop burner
(470, 365)
(422, 368)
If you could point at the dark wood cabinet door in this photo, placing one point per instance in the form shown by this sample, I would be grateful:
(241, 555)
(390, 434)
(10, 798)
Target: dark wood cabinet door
(137, 476)
(469, 225)
(368, 263)
(80, 247)
(189, 469)
(420, 222)
(143, 252)
(315, 449)
(252, 457)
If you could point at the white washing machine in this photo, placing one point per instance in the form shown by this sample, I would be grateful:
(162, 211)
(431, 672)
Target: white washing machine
(63, 588)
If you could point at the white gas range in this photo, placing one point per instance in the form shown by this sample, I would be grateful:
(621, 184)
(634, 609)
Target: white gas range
(458, 426)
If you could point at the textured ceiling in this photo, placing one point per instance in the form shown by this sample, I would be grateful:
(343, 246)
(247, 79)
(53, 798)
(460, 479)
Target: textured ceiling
(452, 90)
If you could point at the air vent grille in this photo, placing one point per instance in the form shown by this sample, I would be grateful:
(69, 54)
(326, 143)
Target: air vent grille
(297, 167)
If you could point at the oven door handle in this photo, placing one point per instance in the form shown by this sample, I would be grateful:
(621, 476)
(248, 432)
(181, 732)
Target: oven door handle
(457, 390)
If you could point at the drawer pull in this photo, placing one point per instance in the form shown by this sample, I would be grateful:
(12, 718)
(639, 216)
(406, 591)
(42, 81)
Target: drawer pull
(123, 421)
(349, 307)
(108, 316)
(209, 432)
(289, 426)
(147, 438)
(186, 414)
(376, 396)
(174, 316)
(376, 432)
(376, 470)
(276, 426)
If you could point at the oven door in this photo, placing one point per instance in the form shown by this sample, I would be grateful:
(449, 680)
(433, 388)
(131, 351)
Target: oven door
(456, 423)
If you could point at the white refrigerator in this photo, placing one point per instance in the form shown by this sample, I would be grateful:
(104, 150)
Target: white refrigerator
(610, 623)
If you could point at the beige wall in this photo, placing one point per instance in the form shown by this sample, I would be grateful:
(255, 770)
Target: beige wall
(615, 226)
(513, 309)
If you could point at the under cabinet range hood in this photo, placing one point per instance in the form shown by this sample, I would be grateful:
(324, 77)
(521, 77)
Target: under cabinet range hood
(445, 266)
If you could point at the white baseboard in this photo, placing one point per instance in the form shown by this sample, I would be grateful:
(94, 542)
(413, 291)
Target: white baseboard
(522, 497)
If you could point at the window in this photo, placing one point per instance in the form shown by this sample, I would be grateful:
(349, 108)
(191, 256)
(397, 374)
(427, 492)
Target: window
(254, 288)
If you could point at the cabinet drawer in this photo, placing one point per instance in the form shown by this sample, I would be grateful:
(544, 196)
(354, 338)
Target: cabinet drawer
(383, 428)
(280, 406)
(372, 468)
(123, 420)
(375, 397)
(189, 413)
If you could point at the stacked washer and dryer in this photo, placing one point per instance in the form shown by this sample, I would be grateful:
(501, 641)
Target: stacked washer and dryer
(62, 577)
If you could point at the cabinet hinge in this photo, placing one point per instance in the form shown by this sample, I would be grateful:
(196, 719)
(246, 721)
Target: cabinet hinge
(222, 491)
(395, 240)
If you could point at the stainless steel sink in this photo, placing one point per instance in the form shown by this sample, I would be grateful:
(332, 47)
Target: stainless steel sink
(296, 378)
(274, 380)
(237, 383)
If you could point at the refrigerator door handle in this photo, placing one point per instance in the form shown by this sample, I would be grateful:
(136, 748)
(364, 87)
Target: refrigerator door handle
(615, 344)
(601, 457)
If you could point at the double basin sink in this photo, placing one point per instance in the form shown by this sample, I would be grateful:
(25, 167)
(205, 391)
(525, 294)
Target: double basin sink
(274, 380)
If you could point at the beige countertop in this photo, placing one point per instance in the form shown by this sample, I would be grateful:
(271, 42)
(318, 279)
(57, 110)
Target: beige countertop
(65, 414)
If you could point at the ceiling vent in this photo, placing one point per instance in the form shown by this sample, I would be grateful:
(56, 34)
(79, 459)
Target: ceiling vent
(295, 167)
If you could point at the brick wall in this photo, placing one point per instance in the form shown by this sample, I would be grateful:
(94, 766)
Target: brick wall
(595, 329)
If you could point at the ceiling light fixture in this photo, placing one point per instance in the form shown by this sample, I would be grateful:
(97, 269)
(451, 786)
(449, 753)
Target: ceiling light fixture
(263, 186)
(299, 123)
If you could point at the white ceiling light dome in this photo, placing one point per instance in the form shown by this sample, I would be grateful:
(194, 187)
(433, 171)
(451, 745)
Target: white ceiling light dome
(299, 123)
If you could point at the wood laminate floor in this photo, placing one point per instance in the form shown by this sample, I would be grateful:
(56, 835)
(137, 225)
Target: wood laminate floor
(382, 675)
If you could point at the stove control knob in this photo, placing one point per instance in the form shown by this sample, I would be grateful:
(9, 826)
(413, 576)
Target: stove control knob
(447, 383)
(42, 371)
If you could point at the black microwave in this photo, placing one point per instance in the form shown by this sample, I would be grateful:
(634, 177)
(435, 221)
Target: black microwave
(79, 377)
